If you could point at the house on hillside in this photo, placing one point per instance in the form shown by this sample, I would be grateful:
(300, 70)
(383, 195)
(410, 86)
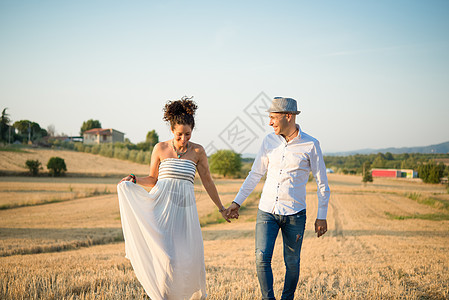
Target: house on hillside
(394, 173)
(101, 136)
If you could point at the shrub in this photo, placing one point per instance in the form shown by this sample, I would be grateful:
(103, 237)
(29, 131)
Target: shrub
(79, 147)
(121, 153)
(56, 166)
(106, 150)
(132, 155)
(34, 166)
(147, 159)
(140, 157)
(95, 149)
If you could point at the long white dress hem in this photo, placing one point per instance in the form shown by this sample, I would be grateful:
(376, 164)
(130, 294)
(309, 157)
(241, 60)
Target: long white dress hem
(162, 233)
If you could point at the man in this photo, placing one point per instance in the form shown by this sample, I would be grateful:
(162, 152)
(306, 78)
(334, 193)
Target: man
(288, 156)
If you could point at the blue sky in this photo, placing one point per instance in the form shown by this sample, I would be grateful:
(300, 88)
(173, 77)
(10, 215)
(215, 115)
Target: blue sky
(366, 74)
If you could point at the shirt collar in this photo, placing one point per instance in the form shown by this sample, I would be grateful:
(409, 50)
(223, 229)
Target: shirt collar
(299, 132)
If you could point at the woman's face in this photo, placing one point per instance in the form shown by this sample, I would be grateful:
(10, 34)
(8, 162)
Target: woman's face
(182, 134)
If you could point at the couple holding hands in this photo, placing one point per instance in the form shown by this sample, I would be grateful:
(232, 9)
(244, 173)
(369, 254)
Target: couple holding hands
(161, 228)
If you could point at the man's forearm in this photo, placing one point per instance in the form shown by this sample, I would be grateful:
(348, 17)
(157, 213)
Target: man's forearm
(248, 186)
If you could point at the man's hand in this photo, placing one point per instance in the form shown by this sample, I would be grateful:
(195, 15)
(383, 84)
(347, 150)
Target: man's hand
(320, 227)
(233, 211)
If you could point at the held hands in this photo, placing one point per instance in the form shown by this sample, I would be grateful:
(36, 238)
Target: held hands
(233, 211)
(224, 214)
(320, 227)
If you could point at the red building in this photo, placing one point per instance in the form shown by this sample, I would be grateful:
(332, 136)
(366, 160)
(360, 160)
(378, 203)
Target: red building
(394, 173)
(386, 173)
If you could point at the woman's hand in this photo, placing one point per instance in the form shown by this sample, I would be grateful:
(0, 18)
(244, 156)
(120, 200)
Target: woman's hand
(224, 214)
(127, 178)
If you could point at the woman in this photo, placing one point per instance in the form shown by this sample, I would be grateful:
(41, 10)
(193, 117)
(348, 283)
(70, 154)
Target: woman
(161, 228)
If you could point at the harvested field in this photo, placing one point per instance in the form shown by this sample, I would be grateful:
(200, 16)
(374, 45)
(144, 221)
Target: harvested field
(27, 191)
(76, 162)
(74, 249)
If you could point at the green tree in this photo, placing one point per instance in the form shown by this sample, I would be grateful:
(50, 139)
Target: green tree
(226, 162)
(446, 172)
(144, 146)
(389, 156)
(4, 125)
(367, 175)
(89, 124)
(431, 172)
(28, 129)
(34, 166)
(408, 163)
(23, 126)
(379, 161)
(151, 140)
(56, 166)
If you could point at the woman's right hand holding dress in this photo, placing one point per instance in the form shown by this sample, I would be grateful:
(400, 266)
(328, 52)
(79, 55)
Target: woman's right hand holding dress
(130, 177)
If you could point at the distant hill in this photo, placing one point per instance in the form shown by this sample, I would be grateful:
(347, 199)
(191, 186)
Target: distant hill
(438, 148)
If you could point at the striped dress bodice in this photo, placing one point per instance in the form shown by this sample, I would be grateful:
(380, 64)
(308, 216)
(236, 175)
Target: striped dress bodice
(175, 168)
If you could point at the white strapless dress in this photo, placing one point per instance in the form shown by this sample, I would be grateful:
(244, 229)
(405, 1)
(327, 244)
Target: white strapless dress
(162, 233)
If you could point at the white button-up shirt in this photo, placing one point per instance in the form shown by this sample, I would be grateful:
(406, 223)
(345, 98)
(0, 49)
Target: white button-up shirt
(288, 166)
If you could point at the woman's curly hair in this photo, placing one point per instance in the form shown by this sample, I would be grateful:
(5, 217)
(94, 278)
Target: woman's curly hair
(180, 112)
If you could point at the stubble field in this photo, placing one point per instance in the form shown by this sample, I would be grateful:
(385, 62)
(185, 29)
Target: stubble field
(386, 240)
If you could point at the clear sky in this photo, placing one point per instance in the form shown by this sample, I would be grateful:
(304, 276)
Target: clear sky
(366, 74)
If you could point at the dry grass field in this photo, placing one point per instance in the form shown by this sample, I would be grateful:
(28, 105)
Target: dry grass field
(386, 240)
(76, 162)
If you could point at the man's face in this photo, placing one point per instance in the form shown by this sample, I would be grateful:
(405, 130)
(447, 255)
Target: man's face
(279, 122)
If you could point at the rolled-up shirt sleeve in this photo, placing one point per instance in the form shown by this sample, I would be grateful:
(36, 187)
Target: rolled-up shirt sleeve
(258, 169)
(318, 169)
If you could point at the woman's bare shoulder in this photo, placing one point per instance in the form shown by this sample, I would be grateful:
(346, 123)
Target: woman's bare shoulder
(161, 146)
(197, 147)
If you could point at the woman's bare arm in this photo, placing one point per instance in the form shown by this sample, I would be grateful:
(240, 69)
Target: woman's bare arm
(151, 179)
(208, 183)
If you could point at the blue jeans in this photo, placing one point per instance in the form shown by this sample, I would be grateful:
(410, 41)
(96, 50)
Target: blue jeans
(267, 228)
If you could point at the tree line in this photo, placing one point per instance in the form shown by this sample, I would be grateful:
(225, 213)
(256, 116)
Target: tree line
(26, 131)
(425, 164)
(22, 131)
(224, 162)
